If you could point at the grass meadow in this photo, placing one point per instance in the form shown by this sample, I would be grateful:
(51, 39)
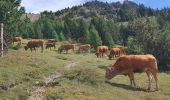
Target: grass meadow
(20, 70)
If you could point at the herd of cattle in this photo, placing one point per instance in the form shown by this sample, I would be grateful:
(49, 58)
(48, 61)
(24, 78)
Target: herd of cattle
(51, 43)
(125, 65)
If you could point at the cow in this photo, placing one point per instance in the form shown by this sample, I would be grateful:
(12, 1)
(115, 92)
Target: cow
(85, 47)
(17, 39)
(66, 47)
(51, 43)
(130, 64)
(33, 44)
(114, 52)
(101, 50)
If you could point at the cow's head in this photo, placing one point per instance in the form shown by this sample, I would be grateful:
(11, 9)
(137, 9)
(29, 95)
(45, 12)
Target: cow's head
(110, 73)
(26, 48)
(110, 57)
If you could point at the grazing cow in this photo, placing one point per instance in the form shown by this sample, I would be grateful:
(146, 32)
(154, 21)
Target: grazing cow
(49, 45)
(85, 47)
(17, 39)
(114, 52)
(66, 47)
(128, 65)
(101, 50)
(33, 44)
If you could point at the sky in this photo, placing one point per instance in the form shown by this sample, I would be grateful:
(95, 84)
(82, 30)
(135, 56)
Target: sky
(36, 6)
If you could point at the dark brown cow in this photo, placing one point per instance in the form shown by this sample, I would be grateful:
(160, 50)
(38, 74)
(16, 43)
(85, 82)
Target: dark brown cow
(17, 39)
(101, 50)
(66, 47)
(128, 65)
(49, 45)
(33, 44)
(85, 47)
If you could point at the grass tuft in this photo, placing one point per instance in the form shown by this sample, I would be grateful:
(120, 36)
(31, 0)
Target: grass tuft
(84, 74)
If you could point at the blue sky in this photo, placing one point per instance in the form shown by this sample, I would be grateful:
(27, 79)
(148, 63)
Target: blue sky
(36, 6)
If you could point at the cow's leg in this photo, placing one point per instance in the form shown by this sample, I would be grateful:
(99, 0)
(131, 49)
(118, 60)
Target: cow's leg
(35, 49)
(42, 49)
(132, 80)
(149, 79)
(154, 73)
(31, 49)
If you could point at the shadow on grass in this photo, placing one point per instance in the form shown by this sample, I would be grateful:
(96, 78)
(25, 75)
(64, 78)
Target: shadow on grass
(127, 87)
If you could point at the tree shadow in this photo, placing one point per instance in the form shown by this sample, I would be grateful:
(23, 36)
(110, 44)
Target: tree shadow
(127, 87)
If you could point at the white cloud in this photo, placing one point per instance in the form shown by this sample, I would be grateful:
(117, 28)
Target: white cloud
(36, 6)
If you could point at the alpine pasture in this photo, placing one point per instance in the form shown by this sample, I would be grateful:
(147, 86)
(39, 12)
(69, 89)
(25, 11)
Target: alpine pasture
(85, 80)
(70, 54)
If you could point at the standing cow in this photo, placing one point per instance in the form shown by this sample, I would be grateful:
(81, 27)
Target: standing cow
(114, 52)
(34, 44)
(85, 48)
(128, 65)
(101, 50)
(51, 43)
(17, 39)
(66, 47)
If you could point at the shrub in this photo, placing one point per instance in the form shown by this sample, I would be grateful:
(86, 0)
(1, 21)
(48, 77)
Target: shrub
(17, 47)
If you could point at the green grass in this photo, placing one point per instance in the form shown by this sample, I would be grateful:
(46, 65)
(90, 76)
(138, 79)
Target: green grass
(20, 69)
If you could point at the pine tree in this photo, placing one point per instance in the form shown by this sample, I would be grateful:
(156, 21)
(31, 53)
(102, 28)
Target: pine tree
(87, 37)
(62, 37)
(95, 39)
(56, 37)
(109, 40)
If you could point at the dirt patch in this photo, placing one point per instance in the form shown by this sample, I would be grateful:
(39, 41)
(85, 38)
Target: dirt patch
(40, 87)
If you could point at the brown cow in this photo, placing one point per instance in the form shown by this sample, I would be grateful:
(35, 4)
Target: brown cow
(101, 50)
(128, 65)
(17, 39)
(51, 43)
(85, 47)
(33, 44)
(114, 52)
(66, 47)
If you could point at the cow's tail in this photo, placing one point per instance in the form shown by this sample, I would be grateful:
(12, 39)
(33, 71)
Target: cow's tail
(156, 65)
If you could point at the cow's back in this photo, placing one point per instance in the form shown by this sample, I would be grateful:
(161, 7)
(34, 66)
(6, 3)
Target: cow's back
(137, 63)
